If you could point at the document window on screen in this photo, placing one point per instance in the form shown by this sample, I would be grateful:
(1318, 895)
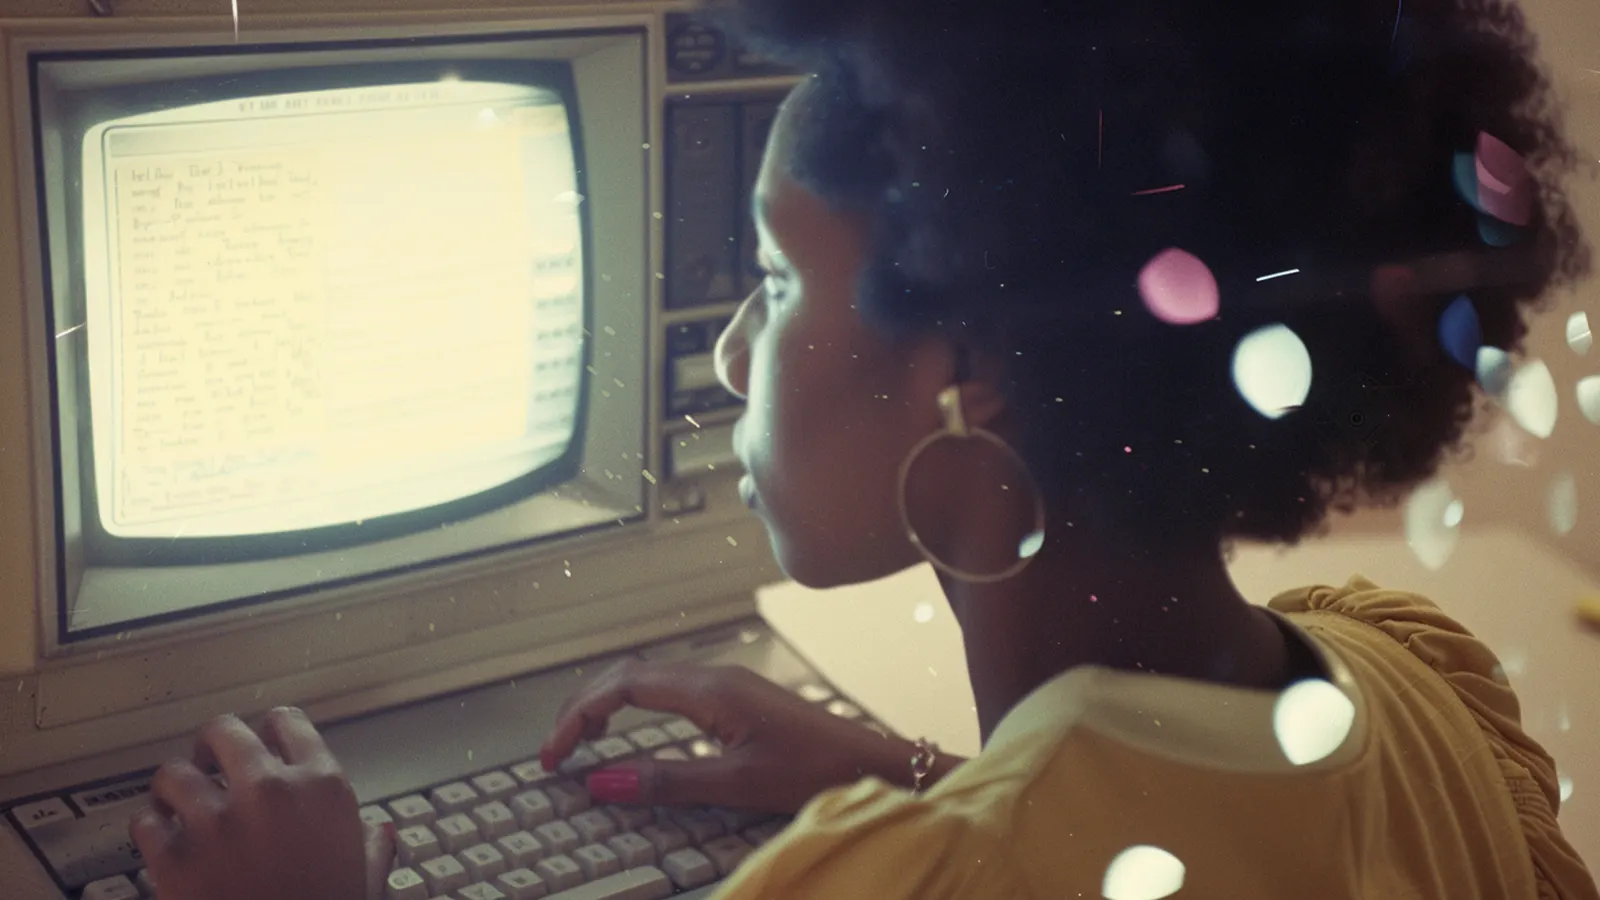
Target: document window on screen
(319, 308)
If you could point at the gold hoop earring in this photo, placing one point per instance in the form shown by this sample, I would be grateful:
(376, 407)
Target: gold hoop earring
(955, 427)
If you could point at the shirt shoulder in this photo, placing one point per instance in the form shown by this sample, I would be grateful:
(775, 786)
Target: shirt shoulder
(876, 842)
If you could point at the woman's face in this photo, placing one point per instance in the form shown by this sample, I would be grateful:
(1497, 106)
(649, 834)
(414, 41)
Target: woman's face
(832, 407)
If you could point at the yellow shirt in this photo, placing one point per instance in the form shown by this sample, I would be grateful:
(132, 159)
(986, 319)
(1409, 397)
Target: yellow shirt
(1433, 793)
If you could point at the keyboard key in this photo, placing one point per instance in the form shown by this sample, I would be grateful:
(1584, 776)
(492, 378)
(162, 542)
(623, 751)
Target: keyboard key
(737, 820)
(597, 861)
(880, 730)
(494, 820)
(495, 785)
(559, 872)
(682, 730)
(413, 810)
(557, 837)
(582, 760)
(649, 738)
(444, 875)
(613, 748)
(593, 825)
(457, 833)
(532, 773)
(532, 809)
(844, 709)
(701, 825)
(44, 814)
(117, 887)
(482, 862)
(633, 850)
(91, 853)
(700, 748)
(521, 850)
(632, 818)
(665, 837)
(688, 868)
(455, 797)
(648, 883)
(481, 891)
(672, 753)
(376, 815)
(406, 884)
(417, 844)
(766, 831)
(726, 852)
(522, 884)
(130, 793)
(568, 798)
(814, 693)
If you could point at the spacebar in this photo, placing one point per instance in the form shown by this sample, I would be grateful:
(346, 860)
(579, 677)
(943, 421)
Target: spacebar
(642, 883)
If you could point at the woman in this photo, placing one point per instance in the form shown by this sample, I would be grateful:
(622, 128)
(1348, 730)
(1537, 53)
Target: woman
(1015, 258)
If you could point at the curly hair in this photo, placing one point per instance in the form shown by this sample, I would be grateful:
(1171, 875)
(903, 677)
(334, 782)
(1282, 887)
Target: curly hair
(1006, 153)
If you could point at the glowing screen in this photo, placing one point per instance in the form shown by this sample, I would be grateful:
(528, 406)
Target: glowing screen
(310, 309)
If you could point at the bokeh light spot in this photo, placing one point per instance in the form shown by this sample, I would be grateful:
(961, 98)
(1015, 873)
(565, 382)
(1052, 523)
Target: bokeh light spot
(1433, 521)
(1178, 288)
(1030, 545)
(1589, 398)
(1565, 783)
(1498, 234)
(1493, 370)
(1505, 189)
(1272, 370)
(1143, 872)
(1531, 398)
(922, 613)
(1579, 337)
(1312, 719)
(1464, 173)
(1562, 503)
(1460, 332)
(1513, 446)
(1515, 662)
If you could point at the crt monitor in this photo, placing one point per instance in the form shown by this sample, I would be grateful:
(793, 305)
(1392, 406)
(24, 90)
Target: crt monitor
(315, 309)
(336, 367)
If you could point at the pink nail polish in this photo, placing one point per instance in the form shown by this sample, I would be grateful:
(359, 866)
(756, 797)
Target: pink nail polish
(615, 785)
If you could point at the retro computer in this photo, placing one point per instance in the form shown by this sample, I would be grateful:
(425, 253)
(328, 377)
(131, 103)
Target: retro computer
(360, 361)
(356, 356)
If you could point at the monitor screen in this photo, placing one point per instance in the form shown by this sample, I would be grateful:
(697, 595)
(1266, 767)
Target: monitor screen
(319, 308)
(330, 313)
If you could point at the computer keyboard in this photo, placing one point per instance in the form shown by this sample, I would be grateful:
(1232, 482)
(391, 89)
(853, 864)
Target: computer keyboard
(493, 825)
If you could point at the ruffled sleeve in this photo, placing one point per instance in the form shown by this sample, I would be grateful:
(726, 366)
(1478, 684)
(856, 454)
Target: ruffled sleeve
(875, 842)
(1475, 676)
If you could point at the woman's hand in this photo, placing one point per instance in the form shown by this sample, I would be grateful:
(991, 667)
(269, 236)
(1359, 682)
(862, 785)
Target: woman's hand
(778, 750)
(285, 824)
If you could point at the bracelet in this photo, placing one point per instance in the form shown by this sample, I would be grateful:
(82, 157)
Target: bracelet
(922, 763)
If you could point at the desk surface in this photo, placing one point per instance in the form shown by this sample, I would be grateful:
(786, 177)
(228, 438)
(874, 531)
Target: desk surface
(894, 645)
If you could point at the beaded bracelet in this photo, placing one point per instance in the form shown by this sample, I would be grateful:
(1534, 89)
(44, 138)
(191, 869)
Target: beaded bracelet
(922, 763)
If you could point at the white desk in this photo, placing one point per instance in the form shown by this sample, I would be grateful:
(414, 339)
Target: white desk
(1512, 592)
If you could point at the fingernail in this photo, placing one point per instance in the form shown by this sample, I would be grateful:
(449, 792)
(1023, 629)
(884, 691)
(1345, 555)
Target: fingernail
(615, 785)
(390, 832)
